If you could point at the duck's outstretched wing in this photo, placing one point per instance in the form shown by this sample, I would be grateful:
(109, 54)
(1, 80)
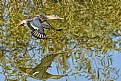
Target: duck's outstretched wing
(38, 33)
(46, 25)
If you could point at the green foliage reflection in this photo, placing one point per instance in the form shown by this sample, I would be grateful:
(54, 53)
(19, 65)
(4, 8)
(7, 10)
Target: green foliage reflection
(90, 27)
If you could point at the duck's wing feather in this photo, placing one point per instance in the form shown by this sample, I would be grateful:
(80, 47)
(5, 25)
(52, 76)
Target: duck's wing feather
(46, 25)
(38, 33)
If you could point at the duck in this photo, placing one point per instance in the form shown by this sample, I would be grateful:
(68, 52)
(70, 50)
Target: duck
(38, 23)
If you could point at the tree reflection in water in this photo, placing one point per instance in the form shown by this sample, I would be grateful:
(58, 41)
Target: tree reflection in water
(89, 38)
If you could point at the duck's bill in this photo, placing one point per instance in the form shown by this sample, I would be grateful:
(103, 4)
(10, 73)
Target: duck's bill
(53, 17)
(17, 26)
(20, 25)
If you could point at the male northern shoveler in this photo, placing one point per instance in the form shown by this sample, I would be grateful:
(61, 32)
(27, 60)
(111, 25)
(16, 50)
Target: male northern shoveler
(37, 25)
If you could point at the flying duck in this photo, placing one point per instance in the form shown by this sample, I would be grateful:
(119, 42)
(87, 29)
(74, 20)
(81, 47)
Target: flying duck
(38, 23)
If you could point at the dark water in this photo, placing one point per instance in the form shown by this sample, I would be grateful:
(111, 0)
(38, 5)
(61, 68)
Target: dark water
(87, 49)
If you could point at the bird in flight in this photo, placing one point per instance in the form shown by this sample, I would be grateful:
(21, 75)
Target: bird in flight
(38, 23)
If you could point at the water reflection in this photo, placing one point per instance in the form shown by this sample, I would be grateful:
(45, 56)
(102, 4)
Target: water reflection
(39, 72)
(89, 39)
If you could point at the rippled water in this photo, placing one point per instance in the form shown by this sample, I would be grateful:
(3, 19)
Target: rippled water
(88, 47)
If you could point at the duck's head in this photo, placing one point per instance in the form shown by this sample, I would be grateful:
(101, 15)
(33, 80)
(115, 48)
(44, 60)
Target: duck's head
(22, 23)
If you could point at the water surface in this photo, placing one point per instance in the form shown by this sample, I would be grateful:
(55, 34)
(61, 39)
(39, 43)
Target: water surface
(89, 43)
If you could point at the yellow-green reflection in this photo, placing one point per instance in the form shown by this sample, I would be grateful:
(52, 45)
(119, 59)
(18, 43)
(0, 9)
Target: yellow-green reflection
(87, 36)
